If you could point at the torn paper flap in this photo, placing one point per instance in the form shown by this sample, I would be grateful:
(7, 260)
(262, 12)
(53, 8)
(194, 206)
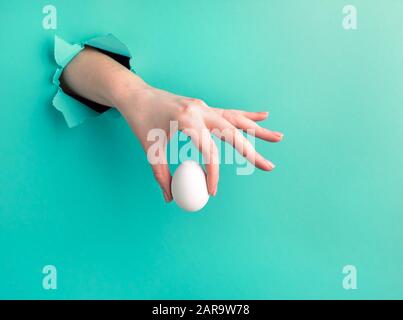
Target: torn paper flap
(74, 111)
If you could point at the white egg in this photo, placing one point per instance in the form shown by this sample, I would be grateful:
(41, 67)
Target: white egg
(189, 186)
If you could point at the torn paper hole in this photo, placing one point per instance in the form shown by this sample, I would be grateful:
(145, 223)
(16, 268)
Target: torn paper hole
(75, 109)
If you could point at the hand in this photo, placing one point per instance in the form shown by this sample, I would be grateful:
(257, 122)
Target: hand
(99, 78)
(150, 108)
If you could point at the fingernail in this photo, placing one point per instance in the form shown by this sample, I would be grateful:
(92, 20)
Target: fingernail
(215, 191)
(270, 164)
(279, 134)
(166, 197)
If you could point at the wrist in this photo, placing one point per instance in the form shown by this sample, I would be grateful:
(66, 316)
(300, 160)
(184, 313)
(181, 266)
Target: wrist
(129, 91)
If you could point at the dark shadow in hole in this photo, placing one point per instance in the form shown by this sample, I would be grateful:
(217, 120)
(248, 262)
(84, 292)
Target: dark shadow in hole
(123, 60)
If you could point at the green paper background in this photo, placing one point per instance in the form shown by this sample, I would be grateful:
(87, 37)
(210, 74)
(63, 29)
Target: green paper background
(84, 199)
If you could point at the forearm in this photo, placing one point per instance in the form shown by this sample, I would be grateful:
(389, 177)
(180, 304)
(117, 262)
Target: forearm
(97, 77)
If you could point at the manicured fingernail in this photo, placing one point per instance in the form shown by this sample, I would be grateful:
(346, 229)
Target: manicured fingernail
(166, 197)
(270, 164)
(215, 191)
(279, 134)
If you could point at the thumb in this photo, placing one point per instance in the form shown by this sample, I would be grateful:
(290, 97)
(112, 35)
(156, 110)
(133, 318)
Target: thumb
(163, 177)
(157, 158)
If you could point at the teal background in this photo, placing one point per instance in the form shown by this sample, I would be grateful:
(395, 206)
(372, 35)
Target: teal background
(84, 199)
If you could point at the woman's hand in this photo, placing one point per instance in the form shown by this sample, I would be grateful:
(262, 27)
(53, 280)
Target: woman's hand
(150, 108)
(98, 77)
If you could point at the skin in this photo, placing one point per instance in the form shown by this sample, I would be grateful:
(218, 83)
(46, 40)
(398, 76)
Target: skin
(97, 77)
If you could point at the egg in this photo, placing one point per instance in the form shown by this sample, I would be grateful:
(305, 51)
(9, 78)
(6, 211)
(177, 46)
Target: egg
(189, 186)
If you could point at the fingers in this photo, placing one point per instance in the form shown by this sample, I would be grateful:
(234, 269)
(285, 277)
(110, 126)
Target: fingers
(230, 134)
(202, 139)
(254, 116)
(156, 155)
(246, 121)
(163, 177)
(252, 128)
